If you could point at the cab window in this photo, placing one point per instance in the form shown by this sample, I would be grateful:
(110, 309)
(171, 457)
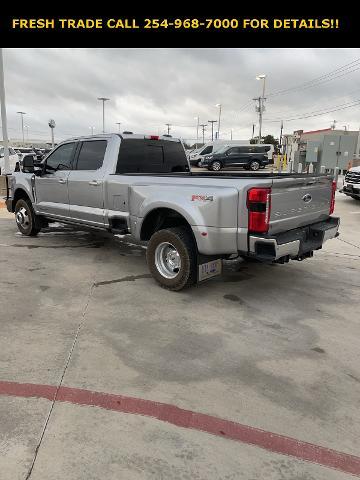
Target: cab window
(91, 155)
(61, 159)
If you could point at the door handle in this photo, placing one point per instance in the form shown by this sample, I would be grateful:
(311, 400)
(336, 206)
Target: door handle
(62, 180)
(95, 183)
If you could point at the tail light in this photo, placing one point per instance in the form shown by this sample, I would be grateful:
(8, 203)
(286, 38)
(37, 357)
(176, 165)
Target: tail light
(259, 207)
(332, 201)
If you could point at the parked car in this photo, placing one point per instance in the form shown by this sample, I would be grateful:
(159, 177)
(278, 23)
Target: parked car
(13, 159)
(351, 185)
(249, 157)
(142, 187)
(22, 151)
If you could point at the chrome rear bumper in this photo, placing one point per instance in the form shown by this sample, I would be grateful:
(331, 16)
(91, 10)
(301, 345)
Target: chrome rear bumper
(295, 243)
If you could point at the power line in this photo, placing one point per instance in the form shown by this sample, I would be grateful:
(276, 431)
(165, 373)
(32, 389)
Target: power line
(332, 75)
(317, 113)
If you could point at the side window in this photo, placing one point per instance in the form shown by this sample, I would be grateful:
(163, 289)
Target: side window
(61, 158)
(234, 150)
(91, 155)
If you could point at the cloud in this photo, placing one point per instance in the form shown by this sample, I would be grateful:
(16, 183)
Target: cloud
(150, 87)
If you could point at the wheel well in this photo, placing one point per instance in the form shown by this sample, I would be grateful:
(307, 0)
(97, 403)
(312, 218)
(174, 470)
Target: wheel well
(19, 193)
(161, 218)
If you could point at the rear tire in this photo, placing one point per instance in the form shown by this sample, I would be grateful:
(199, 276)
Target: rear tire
(172, 258)
(26, 220)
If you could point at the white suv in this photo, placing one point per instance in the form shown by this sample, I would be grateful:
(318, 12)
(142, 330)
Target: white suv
(13, 159)
(352, 183)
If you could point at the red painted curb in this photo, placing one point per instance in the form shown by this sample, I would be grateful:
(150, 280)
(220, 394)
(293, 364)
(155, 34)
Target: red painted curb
(269, 441)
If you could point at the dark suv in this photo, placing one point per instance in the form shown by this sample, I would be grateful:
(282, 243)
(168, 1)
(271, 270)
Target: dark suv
(249, 157)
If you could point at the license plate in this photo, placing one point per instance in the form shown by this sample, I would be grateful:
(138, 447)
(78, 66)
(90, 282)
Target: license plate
(210, 269)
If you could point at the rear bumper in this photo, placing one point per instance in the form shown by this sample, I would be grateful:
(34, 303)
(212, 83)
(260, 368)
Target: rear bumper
(295, 244)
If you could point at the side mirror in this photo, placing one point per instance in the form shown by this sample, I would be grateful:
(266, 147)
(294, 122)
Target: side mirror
(28, 164)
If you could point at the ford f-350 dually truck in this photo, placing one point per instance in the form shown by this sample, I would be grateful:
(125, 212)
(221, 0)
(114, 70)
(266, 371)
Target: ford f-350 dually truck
(143, 186)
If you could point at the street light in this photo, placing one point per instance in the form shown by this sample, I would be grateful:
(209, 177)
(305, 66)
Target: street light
(22, 125)
(118, 123)
(218, 132)
(27, 132)
(3, 116)
(261, 103)
(103, 99)
(197, 130)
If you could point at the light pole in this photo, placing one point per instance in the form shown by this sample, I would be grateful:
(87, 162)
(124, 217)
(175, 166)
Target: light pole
(168, 127)
(218, 132)
(3, 117)
(22, 125)
(197, 130)
(103, 99)
(212, 128)
(27, 132)
(52, 125)
(118, 123)
(92, 130)
(261, 103)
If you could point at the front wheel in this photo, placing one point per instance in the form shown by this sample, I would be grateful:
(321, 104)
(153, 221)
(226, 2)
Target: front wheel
(26, 220)
(172, 258)
(216, 166)
(254, 165)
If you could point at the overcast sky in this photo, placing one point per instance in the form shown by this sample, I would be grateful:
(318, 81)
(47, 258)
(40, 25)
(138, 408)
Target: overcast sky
(150, 87)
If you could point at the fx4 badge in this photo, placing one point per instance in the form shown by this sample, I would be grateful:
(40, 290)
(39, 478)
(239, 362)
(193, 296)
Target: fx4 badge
(202, 198)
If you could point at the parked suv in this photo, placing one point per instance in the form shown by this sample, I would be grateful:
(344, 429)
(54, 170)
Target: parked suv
(351, 186)
(250, 157)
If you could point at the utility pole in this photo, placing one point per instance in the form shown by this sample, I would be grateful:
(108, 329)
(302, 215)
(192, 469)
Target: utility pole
(212, 128)
(3, 117)
(118, 123)
(22, 126)
(52, 125)
(103, 100)
(203, 126)
(168, 127)
(261, 108)
(281, 132)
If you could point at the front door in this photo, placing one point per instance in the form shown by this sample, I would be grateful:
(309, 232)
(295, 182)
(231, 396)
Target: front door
(51, 188)
(86, 189)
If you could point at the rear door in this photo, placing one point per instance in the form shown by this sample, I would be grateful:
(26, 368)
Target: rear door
(86, 188)
(52, 196)
(299, 201)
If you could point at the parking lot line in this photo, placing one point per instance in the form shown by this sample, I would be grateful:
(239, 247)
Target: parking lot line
(266, 440)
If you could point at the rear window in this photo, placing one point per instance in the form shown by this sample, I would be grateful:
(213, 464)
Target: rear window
(138, 155)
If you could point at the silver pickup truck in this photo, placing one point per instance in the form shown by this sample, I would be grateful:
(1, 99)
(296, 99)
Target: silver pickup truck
(142, 186)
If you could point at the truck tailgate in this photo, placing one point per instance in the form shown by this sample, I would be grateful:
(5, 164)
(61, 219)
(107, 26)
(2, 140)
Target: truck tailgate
(299, 201)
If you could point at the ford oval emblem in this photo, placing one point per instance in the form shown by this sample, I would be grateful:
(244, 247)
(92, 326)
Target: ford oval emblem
(307, 198)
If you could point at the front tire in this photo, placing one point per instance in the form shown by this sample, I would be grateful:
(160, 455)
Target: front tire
(216, 166)
(172, 258)
(26, 220)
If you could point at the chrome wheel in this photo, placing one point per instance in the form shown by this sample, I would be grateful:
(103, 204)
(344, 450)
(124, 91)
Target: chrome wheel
(167, 260)
(216, 166)
(254, 165)
(22, 217)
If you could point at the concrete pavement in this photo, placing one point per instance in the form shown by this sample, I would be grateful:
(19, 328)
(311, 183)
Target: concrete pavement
(272, 347)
